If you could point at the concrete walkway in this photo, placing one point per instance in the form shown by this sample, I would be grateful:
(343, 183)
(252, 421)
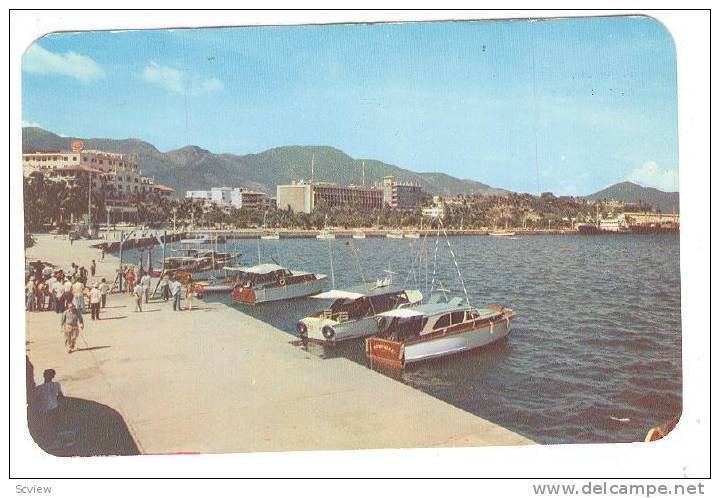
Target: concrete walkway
(214, 380)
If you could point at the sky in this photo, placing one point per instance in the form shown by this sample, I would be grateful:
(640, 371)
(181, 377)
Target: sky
(567, 105)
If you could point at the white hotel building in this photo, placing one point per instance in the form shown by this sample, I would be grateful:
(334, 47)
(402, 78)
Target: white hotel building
(237, 197)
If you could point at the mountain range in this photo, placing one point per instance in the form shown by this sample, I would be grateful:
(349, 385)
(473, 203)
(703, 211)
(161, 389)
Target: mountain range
(195, 168)
(667, 202)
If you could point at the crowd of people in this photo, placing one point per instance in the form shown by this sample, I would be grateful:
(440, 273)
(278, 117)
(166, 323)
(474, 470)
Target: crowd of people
(55, 289)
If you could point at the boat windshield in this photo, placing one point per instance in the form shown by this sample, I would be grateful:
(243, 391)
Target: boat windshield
(402, 329)
(355, 308)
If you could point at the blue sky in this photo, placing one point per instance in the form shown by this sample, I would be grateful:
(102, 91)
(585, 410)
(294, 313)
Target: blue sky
(472, 99)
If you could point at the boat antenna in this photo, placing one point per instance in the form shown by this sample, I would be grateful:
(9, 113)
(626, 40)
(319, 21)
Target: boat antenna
(359, 265)
(332, 268)
(537, 167)
(258, 248)
(452, 253)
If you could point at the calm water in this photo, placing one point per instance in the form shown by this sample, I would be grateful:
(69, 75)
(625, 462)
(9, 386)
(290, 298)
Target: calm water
(597, 335)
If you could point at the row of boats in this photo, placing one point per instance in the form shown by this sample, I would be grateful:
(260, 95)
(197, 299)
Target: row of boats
(399, 326)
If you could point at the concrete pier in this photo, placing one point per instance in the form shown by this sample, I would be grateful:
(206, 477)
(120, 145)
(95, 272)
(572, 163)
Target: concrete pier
(214, 380)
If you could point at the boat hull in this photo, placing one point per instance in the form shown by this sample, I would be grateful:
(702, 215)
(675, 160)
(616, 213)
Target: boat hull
(456, 343)
(251, 295)
(398, 355)
(342, 331)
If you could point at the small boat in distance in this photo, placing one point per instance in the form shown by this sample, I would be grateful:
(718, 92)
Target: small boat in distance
(433, 330)
(412, 235)
(200, 239)
(396, 234)
(271, 282)
(502, 233)
(325, 234)
(352, 312)
(268, 235)
(358, 235)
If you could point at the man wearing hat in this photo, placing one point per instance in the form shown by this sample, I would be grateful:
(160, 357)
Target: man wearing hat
(30, 295)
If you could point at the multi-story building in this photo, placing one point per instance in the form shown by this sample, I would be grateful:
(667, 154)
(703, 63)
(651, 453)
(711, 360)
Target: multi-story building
(305, 197)
(116, 176)
(232, 196)
(400, 195)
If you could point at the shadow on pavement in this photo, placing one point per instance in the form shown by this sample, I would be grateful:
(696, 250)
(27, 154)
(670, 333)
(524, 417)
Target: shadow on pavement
(83, 427)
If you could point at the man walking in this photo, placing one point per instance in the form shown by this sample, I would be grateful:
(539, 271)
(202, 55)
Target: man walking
(138, 293)
(93, 267)
(145, 283)
(95, 298)
(30, 295)
(165, 287)
(71, 322)
(78, 295)
(176, 292)
(104, 289)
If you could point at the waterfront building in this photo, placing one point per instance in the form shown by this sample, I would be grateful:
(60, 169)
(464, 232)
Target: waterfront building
(401, 195)
(437, 210)
(116, 177)
(305, 197)
(237, 197)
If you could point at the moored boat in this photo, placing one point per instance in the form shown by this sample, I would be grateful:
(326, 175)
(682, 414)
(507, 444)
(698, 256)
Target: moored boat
(397, 234)
(325, 234)
(358, 235)
(270, 236)
(200, 239)
(353, 311)
(502, 233)
(434, 330)
(412, 235)
(270, 282)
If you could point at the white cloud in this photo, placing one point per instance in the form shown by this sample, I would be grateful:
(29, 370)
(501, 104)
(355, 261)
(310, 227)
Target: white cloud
(166, 77)
(175, 81)
(31, 124)
(206, 86)
(651, 175)
(81, 67)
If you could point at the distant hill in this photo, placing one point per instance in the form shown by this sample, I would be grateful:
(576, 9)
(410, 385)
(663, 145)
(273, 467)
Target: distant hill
(193, 167)
(667, 202)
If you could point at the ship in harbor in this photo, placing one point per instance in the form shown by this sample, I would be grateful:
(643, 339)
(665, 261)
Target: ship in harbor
(271, 282)
(434, 330)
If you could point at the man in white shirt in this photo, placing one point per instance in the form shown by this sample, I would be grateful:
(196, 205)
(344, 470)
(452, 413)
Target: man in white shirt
(145, 282)
(176, 292)
(95, 297)
(104, 289)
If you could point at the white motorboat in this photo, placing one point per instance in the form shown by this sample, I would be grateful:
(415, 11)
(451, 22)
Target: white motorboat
(353, 311)
(433, 330)
(412, 235)
(200, 239)
(502, 233)
(394, 235)
(270, 282)
(270, 236)
(358, 235)
(325, 234)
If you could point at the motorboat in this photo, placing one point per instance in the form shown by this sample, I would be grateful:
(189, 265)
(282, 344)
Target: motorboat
(413, 334)
(270, 236)
(412, 235)
(358, 235)
(353, 311)
(394, 235)
(200, 263)
(200, 239)
(271, 282)
(325, 234)
(217, 283)
(502, 233)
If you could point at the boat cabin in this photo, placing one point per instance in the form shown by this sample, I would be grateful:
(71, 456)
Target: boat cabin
(436, 318)
(361, 302)
(269, 275)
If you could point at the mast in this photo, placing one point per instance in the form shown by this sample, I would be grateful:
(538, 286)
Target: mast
(363, 171)
(312, 169)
